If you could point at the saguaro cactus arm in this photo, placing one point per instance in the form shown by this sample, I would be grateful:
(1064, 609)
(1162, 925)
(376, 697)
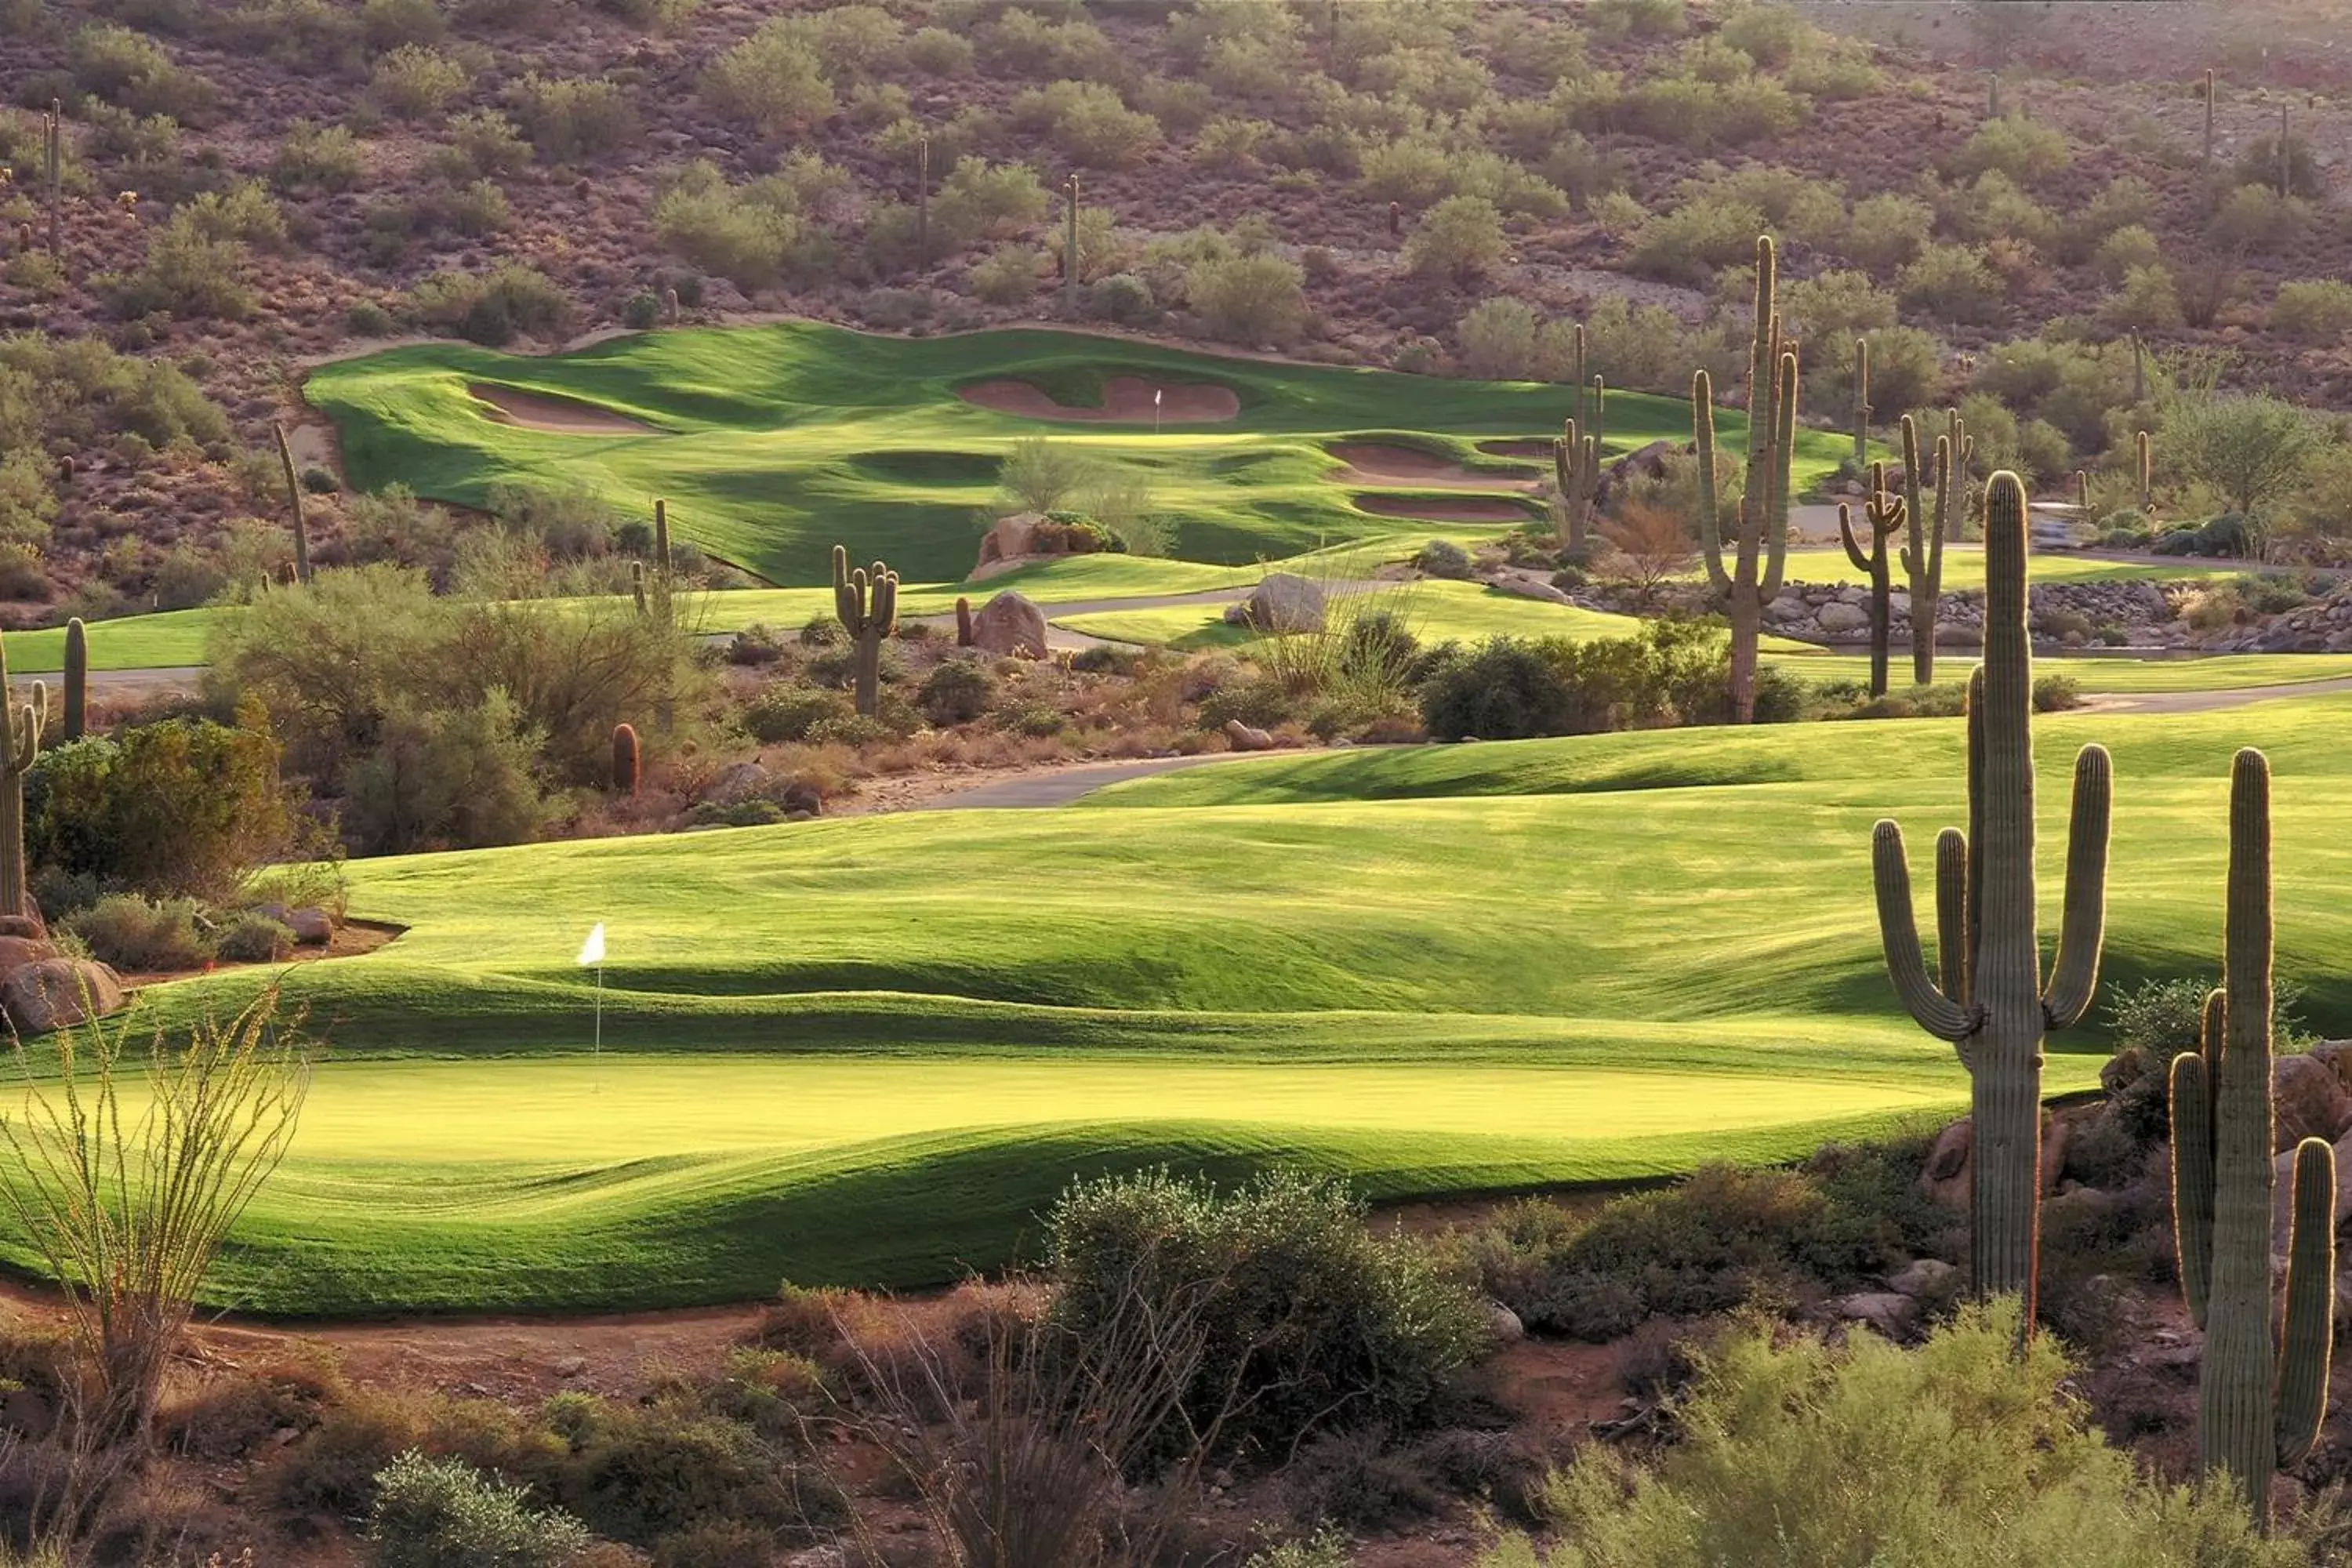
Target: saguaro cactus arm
(1710, 505)
(1773, 525)
(2306, 1345)
(2192, 1168)
(1938, 1014)
(2075, 973)
(1952, 914)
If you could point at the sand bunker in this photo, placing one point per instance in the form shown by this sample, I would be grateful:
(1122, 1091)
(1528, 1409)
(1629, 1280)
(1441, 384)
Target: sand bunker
(1371, 463)
(556, 415)
(1533, 447)
(1127, 400)
(1445, 509)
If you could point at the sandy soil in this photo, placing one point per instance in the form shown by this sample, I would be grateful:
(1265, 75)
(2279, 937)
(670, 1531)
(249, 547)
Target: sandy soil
(1127, 400)
(1370, 463)
(1538, 448)
(1440, 508)
(555, 416)
(350, 939)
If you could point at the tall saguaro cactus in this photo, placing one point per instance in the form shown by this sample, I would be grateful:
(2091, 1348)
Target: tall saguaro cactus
(77, 679)
(21, 724)
(866, 601)
(1070, 255)
(2147, 473)
(1575, 458)
(922, 201)
(2255, 1409)
(1882, 515)
(1923, 550)
(2208, 120)
(1989, 997)
(1861, 403)
(53, 142)
(1760, 530)
(294, 499)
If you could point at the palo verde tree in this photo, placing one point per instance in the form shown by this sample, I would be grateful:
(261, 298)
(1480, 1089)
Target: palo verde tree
(1760, 530)
(2258, 1405)
(1988, 996)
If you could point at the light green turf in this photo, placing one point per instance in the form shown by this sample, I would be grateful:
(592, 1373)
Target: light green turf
(1203, 962)
(772, 443)
(1964, 568)
(173, 638)
(2117, 677)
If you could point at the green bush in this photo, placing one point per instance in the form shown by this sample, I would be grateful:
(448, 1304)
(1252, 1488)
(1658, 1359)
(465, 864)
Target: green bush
(772, 78)
(182, 807)
(640, 1475)
(416, 82)
(1312, 1320)
(447, 778)
(1249, 300)
(186, 272)
(1965, 1453)
(753, 234)
(254, 939)
(446, 1514)
(572, 118)
(1460, 238)
(2024, 150)
(1952, 283)
(1723, 1237)
(491, 307)
(957, 692)
(979, 200)
(2315, 312)
(1444, 558)
(1507, 688)
(132, 935)
(317, 158)
(132, 71)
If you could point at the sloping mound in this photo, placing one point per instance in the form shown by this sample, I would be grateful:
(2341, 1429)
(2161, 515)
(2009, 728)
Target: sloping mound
(1127, 400)
(1517, 448)
(555, 416)
(1445, 509)
(1374, 463)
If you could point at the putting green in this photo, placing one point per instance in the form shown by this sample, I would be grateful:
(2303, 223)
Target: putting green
(772, 443)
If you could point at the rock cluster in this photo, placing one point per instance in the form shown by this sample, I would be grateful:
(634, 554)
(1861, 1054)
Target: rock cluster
(2064, 613)
(2321, 627)
(1282, 602)
(41, 989)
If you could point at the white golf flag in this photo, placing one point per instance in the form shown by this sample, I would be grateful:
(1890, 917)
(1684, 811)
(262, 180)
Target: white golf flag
(592, 949)
(1157, 393)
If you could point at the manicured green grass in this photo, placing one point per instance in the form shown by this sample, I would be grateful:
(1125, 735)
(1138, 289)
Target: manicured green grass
(175, 638)
(772, 443)
(1964, 568)
(893, 1038)
(2119, 676)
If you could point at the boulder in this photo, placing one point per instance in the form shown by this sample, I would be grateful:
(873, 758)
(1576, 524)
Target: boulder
(1890, 1314)
(2311, 1103)
(1507, 1329)
(1926, 1278)
(1947, 1174)
(2056, 1133)
(800, 799)
(1789, 607)
(2337, 1054)
(1285, 602)
(312, 927)
(1009, 537)
(58, 993)
(27, 925)
(1841, 616)
(1008, 625)
(1531, 588)
(1245, 738)
(16, 951)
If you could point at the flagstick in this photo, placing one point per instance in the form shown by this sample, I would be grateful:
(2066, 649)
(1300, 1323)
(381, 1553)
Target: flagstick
(598, 1055)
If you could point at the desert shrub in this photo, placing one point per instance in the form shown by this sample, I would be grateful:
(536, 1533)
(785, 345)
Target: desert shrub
(2316, 311)
(1688, 244)
(2024, 150)
(956, 692)
(1795, 1453)
(187, 271)
(1316, 1322)
(2257, 218)
(1504, 690)
(2145, 302)
(783, 713)
(751, 235)
(1124, 298)
(1324, 1548)
(1620, 18)
(454, 777)
(936, 51)
(569, 119)
(184, 807)
(254, 939)
(492, 307)
(1010, 273)
(1247, 299)
(132, 71)
(446, 1514)
(642, 1475)
(317, 158)
(1460, 238)
(1722, 1237)
(642, 310)
(772, 78)
(1089, 123)
(481, 142)
(136, 935)
(416, 82)
(388, 24)
(979, 200)
(2053, 693)
(1952, 283)
(1444, 558)
(1886, 230)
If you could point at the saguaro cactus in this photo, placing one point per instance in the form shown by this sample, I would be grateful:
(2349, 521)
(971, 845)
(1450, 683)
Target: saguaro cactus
(1759, 528)
(625, 759)
(294, 499)
(1070, 254)
(2208, 120)
(2254, 1411)
(867, 600)
(53, 128)
(1576, 459)
(1882, 514)
(922, 201)
(1861, 403)
(2083, 493)
(963, 622)
(2147, 473)
(21, 724)
(1989, 997)
(77, 679)
(1923, 551)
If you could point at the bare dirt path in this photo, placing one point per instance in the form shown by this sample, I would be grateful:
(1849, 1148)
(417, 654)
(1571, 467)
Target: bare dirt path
(2212, 701)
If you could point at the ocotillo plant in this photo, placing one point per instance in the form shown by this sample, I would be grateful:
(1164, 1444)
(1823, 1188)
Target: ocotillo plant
(625, 759)
(1990, 998)
(294, 499)
(2254, 1411)
(77, 693)
(1882, 514)
(2147, 473)
(866, 601)
(1923, 553)
(963, 622)
(21, 724)
(1861, 403)
(1760, 526)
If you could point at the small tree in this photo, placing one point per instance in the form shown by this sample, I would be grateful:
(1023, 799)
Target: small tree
(1648, 545)
(1461, 239)
(2251, 447)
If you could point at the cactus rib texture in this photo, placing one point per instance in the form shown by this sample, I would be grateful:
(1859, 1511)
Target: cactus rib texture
(2259, 1405)
(1989, 996)
(77, 679)
(626, 759)
(1760, 532)
(1923, 551)
(1882, 515)
(866, 603)
(20, 746)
